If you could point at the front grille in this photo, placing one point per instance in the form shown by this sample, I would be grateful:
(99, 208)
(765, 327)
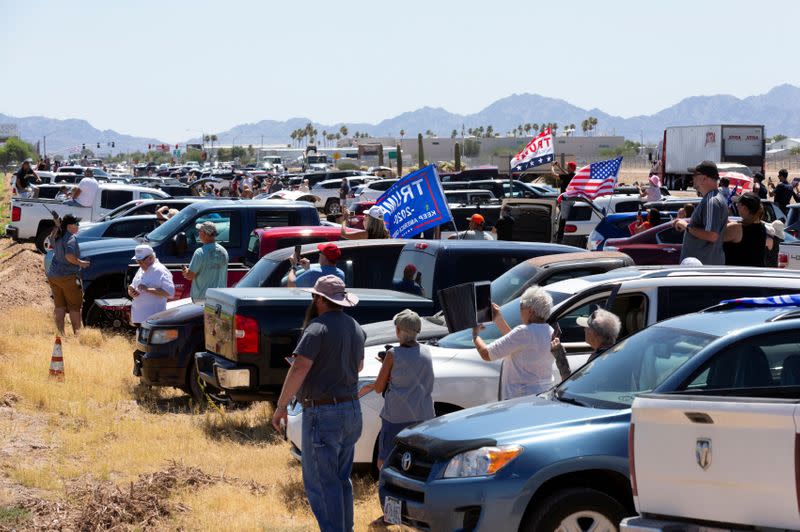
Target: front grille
(399, 492)
(421, 463)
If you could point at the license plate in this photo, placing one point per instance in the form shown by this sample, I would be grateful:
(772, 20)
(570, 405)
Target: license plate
(392, 511)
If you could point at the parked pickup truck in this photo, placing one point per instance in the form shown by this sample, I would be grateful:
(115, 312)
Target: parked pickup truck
(32, 219)
(249, 333)
(745, 440)
(175, 241)
(789, 255)
(167, 342)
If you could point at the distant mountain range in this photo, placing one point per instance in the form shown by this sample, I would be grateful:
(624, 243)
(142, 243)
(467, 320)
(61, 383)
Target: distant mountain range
(778, 110)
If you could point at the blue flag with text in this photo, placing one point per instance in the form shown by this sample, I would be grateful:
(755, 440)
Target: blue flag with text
(414, 204)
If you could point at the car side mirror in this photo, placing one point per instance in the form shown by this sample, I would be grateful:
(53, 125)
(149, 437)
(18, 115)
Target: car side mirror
(180, 244)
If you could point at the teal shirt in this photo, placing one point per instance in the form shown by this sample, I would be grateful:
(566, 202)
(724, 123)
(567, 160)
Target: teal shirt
(210, 266)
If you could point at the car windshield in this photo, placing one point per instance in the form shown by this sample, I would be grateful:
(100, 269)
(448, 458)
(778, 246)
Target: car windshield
(119, 211)
(170, 226)
(793, 216)
(258, 273)
(463, 339)
(506, 287)
(636, 365)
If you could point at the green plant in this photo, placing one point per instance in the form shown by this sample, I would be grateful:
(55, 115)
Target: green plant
(628, 149)
(399, 162)
(457, 157)
(472, 147)
(420, 148)
(15, 150)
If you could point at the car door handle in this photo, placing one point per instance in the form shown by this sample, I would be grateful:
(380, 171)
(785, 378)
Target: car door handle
(670, 250)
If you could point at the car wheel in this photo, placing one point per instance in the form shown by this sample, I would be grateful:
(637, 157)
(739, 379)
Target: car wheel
(41, 238)
(575, 510)
(200, 391)
(102, 319)
(332, 206)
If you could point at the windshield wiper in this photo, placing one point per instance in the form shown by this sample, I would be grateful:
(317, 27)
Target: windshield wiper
(570, 400)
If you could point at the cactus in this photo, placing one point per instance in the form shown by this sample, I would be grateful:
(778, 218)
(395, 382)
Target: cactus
(421, 154)
(380, 156)
(399, 162)
(458, 157)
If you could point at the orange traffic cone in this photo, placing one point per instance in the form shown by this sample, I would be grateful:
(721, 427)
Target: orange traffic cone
(57, 361)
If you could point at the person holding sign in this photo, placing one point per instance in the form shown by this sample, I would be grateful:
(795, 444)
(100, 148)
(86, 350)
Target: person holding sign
(374, 226)
(525, 350)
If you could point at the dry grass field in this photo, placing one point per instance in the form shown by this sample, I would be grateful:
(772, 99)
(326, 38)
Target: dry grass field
(99, 451)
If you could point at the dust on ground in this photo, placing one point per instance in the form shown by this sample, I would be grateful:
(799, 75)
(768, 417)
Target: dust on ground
(22, 278)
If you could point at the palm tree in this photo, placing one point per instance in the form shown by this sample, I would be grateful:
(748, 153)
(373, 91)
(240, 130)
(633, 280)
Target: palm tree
(585, 127)
(343, 131)
(402, 133)
(489, 131)
(535, 127)
(453, 134)
(338, 136)
(593, 123)
(293, 136)
(324, 135)
(527, 129)
(213, 139)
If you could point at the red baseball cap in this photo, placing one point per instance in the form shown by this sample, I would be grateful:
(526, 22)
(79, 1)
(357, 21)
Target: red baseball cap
(410, 268)
(571, 165)
(477, 218)
(330, 250)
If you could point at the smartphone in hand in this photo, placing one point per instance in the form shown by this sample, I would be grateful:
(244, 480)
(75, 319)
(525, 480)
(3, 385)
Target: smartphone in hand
(297, 249)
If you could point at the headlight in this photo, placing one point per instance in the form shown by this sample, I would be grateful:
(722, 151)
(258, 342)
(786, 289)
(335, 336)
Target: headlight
(162, 336)
(481, 462)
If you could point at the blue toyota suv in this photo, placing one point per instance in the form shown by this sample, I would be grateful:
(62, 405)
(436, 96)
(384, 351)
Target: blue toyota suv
(559, 461)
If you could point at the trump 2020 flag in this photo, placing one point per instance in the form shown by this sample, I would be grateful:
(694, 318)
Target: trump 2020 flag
(415, 204)
(596, 179)
(540, 150)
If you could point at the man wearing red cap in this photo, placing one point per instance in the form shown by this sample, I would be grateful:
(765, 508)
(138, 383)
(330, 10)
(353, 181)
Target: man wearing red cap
(476, 231)
(564, 176)
(329, 254)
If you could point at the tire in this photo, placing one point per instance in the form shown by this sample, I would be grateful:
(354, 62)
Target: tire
(200, 391)
(332, 206)
(574, 510)
(41, 236)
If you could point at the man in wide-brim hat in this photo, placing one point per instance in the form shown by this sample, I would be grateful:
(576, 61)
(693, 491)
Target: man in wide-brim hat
(324, 378)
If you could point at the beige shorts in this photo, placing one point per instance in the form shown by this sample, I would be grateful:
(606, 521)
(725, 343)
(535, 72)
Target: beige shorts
(66, 292)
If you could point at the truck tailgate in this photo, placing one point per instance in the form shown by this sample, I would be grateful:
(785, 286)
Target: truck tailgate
(729, 460)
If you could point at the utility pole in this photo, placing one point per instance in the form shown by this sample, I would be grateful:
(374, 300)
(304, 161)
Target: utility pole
(44, 145)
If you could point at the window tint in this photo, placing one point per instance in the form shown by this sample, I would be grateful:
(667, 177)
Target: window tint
(579, 213)
(766, 360)
(273, 218)
(227, 224)
(627, 206)
(111, 199)
(679, 300)
(384, 185)
(669, 236)
(149, 195)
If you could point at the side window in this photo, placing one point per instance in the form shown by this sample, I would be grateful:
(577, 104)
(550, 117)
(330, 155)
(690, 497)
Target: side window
(111, 199)
(670, 236)
(273, 218)
(381, 186)
(149, 195)
(679, 300)
(570, 274)
(627, 206)
(579, 213)
(128, 229)
(227, 224)
(765, 360)
(631, 309)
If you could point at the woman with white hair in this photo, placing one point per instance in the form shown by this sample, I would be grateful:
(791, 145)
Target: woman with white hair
(374, 226)
(525, 349)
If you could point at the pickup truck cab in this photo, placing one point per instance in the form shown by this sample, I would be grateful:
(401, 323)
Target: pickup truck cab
(175, 241)
(564, 453)
(166, 343)
(32, 219)
(719, 451)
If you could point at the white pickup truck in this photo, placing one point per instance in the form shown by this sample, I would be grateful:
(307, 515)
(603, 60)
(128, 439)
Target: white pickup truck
(789, 256)
(32, 219)
(714, 463)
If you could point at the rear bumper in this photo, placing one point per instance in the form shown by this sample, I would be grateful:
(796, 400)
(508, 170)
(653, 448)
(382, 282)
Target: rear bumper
(238, 380)
(160, 365)
(647, 524)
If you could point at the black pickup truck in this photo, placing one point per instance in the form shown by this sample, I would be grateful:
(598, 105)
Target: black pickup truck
(166, 342)
(248, 332)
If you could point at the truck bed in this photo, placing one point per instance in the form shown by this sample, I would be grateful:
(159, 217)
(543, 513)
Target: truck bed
(718, 457)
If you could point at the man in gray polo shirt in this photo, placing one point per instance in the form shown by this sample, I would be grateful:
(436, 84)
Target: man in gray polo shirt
(324, 377)
(702, 237)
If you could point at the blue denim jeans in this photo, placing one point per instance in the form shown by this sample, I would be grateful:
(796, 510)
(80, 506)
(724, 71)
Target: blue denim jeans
(330, 433)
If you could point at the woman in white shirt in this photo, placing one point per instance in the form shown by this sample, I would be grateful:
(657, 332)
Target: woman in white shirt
(525, 349)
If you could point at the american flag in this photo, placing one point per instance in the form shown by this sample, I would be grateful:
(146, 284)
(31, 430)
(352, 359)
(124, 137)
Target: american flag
(596, 179)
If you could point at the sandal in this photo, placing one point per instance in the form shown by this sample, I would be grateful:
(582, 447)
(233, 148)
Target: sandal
(378, 523)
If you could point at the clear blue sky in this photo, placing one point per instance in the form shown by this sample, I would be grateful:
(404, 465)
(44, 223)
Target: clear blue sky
(160, 68)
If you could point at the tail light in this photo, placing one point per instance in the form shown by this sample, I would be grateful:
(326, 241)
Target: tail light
(632, 462)
(792, 232)
(246, 332)
(16, 214)
(570, 228)
(783, 260)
